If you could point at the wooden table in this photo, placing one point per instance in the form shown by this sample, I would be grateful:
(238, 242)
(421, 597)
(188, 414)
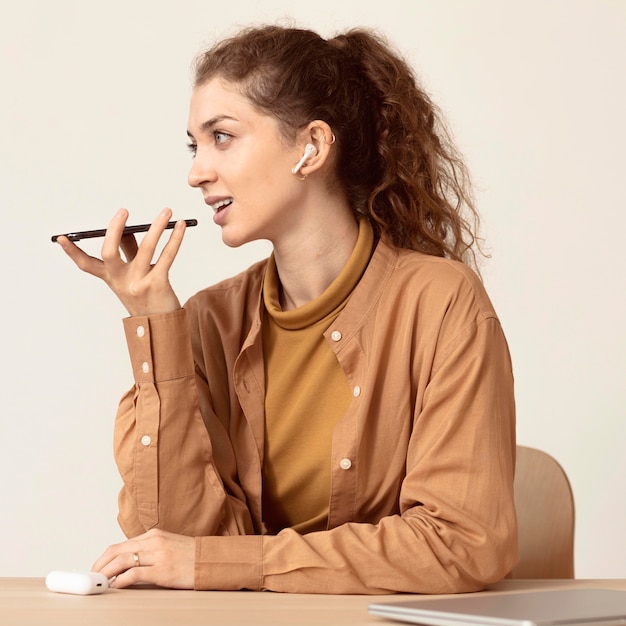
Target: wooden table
(26, 601)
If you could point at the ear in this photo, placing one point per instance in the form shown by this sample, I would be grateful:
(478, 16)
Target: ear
(320, 134)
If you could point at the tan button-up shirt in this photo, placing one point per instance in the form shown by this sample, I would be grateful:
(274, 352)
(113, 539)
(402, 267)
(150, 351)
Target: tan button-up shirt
(422, 462)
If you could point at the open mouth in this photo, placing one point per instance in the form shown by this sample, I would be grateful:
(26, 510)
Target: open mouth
(218, 206)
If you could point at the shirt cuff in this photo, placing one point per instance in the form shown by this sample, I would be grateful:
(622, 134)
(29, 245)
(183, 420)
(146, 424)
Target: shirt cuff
(159, 346)
(229, 563)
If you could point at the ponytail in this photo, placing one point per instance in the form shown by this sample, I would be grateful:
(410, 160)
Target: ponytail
(421, 196)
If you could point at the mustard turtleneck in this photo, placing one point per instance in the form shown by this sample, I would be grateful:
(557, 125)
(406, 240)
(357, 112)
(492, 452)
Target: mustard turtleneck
(306, 393)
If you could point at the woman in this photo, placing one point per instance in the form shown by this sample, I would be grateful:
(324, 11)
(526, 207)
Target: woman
(338, 418)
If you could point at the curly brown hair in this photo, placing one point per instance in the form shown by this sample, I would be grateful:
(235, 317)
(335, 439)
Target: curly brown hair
(396, 160)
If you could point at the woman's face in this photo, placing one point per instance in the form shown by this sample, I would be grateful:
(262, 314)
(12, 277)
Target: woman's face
(242, 165)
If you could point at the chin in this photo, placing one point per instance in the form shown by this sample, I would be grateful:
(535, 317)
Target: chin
(233, 244)
(235, 240)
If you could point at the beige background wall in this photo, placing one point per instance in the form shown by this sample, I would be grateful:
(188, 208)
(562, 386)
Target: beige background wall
(93, 117)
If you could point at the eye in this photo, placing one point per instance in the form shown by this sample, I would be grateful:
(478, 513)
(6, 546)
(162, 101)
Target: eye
(193, 148)
(221, 137)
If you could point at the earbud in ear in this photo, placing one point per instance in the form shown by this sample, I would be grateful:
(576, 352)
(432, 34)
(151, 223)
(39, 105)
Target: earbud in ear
(309, 151)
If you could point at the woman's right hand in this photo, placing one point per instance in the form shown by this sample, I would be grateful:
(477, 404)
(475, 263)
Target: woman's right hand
(142, 286)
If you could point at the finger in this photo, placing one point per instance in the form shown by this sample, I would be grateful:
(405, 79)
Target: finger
(121, 565)
(105, 558)
(169, 252)
(136, 544)
(86, 263)
(145, 254)
(115, 550)
(118, 558)
(113, 239)
(133, 574)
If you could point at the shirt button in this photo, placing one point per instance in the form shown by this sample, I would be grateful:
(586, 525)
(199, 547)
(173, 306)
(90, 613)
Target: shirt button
(336, 335)
(356, 392)
(145, 440)
(345, 464)
(141, 331)
(145, 367)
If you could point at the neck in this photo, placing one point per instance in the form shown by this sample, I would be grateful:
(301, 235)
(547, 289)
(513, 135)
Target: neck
(309, 262)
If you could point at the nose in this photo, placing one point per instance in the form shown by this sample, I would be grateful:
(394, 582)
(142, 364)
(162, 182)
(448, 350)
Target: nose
(201, 170)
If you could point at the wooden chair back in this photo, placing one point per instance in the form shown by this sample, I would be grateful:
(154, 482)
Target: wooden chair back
(545, 513)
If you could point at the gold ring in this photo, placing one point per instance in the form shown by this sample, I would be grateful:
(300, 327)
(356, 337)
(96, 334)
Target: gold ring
(136, 559)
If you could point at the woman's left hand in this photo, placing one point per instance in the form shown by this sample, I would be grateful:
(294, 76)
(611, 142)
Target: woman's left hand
(156, 557)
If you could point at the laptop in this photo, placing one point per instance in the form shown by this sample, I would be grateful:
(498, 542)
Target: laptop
(562, 607)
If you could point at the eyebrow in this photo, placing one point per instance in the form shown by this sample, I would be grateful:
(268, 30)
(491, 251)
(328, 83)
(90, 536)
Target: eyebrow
(206, 126)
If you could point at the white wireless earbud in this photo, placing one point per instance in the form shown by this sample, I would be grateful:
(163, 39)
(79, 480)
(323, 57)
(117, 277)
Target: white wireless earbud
(309, 151)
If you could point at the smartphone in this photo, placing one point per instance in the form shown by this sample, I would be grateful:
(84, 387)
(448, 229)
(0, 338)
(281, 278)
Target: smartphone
(129, 230)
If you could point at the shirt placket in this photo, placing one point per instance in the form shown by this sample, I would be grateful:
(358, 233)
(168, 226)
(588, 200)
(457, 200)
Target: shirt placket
(344, 459)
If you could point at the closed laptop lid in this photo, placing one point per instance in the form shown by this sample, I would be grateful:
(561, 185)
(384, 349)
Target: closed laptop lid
(563, 607)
